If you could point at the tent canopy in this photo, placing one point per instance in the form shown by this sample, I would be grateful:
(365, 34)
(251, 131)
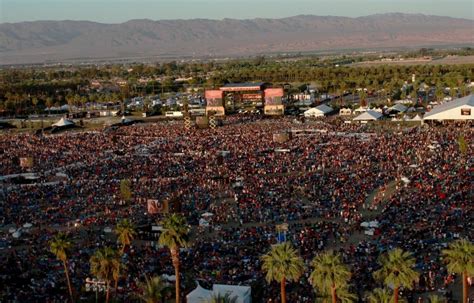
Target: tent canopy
(63, 122)
(458, 109)
(398, 108)
(319, 110)
(369, 115)
(199, 295)
(243, 293)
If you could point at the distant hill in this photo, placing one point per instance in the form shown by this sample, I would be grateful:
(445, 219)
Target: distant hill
(41, 41)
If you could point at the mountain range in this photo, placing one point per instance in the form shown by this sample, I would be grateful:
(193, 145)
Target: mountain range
(59, 41)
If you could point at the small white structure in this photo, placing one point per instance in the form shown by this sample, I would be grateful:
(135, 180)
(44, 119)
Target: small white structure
(345, 112)
(361, 109)
(199, 295)
(125, 120)
(318, 111)
(369, 115)
(458, 109)
(416, 118)
(63, 122)
(243, 293)
(174, 114)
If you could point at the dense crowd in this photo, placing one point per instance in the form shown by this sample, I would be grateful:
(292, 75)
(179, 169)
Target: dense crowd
(321, 182)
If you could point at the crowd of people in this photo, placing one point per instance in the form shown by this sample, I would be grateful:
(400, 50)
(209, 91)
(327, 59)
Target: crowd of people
(321, 182)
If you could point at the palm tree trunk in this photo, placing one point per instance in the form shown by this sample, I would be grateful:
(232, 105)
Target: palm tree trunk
(68, 281)
(116, 283)
(107, 294)
(464, 287)
(118, 273)
(283, 290)
(333, 294)
(175, 257)
(395, 295)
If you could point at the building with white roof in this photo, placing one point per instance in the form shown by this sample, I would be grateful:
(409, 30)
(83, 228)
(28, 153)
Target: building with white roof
(458, 109)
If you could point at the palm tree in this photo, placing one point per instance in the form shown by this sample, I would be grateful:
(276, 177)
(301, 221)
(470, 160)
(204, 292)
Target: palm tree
(105, 265)
(329, 274)
(282, 263)
(153, 290)
(60, 246)
(343, 296)
(397, 271)
(125, 231)
(435, 299)
(460, 259)
(380, 295)
(218, 298)
(174, 236)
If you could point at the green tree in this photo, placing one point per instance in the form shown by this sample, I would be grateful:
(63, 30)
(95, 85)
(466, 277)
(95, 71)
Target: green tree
(329, 274)
(435, 299)
(153, 290)
(439, 93)
(380, 295)
(403, 95)
(462, 144)
(343, 296)
(174, 236)
(125, 231)
(282, 263)
(60, 246)
(459, 257)
(397, 271)
(125, 190)
(49, 103)
(105, 265)
(363, 98)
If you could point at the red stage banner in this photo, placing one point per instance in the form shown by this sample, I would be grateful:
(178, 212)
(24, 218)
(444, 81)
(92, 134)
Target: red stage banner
(214, 94)
(274, 92)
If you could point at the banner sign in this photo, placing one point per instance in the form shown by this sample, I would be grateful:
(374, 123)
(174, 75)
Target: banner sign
(26, 162)
(157, 207)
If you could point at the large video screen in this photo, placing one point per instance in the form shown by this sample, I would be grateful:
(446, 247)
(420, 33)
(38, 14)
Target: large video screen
(273, 101)
(214, 102)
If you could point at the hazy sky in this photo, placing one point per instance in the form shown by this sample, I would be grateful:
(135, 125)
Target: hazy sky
(114, 11)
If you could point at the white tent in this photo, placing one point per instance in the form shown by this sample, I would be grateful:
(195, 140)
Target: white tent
(199, 295)
(318, 111)
(416, 118)
(203, 222)
(369, 115)
(345, 112)
(126, 120)
(398, 108)
(459, 109)
(243, 293)
(361, 109)
(63, 122)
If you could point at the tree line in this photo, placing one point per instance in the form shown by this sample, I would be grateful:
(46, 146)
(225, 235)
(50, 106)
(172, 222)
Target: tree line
(31, 90)
(329, 276)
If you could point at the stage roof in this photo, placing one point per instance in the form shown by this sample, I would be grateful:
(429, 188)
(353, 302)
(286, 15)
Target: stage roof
(242, 86)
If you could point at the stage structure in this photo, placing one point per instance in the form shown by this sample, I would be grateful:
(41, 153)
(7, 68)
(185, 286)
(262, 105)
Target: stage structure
(235, 97)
